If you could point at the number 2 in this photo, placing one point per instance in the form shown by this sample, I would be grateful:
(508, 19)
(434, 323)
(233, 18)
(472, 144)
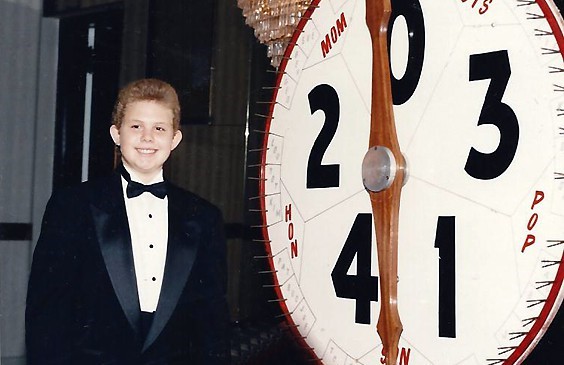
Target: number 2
(323, 97)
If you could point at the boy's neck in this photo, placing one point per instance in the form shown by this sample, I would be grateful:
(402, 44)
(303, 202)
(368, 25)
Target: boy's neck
(144, 178)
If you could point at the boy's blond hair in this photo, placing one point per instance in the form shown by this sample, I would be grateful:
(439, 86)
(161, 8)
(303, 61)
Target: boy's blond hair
(147, 90)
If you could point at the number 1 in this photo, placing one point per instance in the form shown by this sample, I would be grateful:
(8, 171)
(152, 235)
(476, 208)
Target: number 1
(445, 242)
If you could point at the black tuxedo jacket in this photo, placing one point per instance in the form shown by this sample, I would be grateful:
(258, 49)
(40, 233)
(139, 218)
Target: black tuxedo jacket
(82, 303)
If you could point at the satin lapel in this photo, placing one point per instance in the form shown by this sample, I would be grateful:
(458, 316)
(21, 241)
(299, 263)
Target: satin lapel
(183, 241)
(112, 229)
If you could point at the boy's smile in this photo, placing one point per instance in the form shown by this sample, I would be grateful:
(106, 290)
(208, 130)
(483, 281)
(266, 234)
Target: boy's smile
(146, 137)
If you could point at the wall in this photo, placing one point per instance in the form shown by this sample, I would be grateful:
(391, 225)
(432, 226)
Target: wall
(211, 158)
(27, 70)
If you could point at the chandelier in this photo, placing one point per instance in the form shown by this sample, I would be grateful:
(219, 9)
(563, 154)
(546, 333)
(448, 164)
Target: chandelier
(274, 22)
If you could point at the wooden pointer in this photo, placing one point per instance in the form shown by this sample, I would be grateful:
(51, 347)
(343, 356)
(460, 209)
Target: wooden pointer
(385, 200)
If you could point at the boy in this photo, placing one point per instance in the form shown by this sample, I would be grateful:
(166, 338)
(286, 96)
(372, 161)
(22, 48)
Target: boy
(130, 269)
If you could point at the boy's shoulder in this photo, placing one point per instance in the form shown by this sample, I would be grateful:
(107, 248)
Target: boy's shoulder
(95, 189)
(187, 199)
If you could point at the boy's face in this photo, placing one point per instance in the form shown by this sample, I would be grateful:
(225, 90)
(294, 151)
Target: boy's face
(146, 137)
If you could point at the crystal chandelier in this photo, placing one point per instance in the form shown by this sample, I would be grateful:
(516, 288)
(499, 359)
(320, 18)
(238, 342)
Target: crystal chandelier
(274, 22)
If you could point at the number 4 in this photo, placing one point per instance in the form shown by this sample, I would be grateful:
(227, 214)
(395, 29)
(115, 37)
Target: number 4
(362, 287)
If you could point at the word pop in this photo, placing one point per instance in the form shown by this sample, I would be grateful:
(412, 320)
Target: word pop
(293, 241)
(334, 34)
(530, 240)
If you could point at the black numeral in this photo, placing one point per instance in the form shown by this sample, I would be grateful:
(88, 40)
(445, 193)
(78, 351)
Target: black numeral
(362, 287)
(323, 97)
(445, 242)
(494, 66)
(403, 89)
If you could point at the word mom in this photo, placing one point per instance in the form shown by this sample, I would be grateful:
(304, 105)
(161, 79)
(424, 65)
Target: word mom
(334, 34)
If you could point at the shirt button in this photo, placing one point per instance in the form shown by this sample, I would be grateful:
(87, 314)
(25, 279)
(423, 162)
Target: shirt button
(150, 215)
(154, 278)
(151, 245)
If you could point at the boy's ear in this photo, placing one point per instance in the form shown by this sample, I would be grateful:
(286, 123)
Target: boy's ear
(176, 139)
(114, 132)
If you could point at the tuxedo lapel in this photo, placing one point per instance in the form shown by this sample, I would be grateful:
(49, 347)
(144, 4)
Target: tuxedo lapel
(112, 230)
(183, 239)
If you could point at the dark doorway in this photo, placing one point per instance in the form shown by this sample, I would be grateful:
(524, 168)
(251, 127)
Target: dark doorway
(87, 85)
(180, 52)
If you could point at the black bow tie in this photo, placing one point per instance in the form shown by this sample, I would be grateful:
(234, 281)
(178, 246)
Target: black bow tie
(135, 189)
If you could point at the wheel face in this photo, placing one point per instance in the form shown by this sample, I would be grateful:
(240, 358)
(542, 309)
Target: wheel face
(479, 107)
